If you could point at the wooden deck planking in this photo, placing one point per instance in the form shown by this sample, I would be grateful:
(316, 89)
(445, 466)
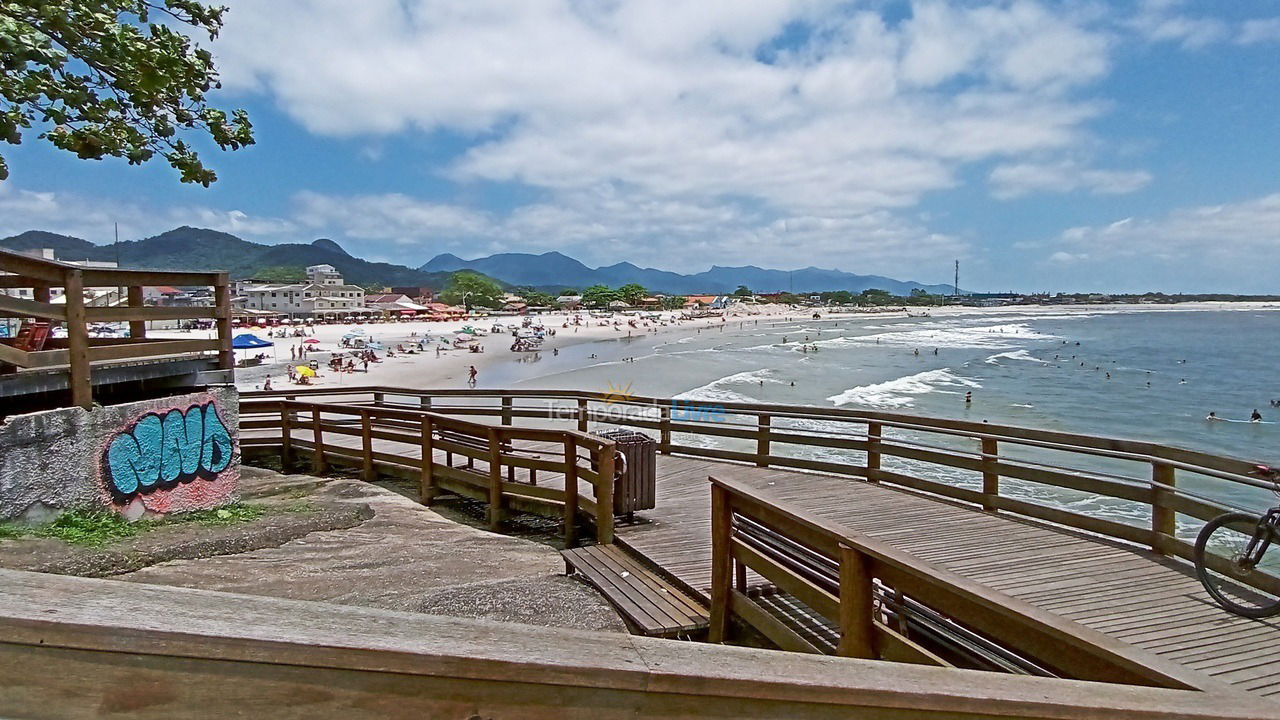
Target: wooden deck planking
(1150, 601)
(1135, 595)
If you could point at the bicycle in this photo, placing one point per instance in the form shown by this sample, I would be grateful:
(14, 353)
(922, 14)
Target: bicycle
(1229, 558)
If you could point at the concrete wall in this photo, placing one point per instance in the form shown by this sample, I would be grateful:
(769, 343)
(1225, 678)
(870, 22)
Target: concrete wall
(172, 454)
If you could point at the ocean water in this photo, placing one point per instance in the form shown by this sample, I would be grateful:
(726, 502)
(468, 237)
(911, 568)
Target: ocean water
(1039, 368)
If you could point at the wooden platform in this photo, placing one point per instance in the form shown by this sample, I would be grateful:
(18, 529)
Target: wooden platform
(651, 605)
(1149, 601)
(1152, 602)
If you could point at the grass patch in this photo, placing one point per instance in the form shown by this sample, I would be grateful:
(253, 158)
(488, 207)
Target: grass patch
(100, 527)
(10, 530)
(218, 517)
(90, 527)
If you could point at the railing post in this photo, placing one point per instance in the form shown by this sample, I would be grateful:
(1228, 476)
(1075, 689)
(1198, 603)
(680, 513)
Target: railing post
(721, 564)
(366, 440)
(424, 402)
(379, 398)
(604, 496)
(506, 411)
(222, 306)
(570, 491)
(762, 441)
(426, 480)
(664, 428)
(77, 341)
(318, 464)
(137, 328)
(990, 478)
(286, 436)
(495, 481)
(873, 451)
(1163, 518)
(857, 633)
(582, 415)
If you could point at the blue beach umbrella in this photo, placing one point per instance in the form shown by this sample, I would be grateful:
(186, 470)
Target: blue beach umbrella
(248, 341)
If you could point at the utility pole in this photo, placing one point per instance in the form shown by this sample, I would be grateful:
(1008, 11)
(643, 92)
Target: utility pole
(955, 289)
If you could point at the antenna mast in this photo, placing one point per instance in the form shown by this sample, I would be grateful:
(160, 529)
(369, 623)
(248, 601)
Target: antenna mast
(955, 289)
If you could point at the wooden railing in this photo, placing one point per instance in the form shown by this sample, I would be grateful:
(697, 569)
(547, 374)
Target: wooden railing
(1163, 493)
(75, 647)
(838, 574)
(78, 350)
(383, 440)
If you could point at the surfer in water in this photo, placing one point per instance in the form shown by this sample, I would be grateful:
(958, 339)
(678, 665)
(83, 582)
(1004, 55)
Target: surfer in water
(1256, 416)
(1212, 416)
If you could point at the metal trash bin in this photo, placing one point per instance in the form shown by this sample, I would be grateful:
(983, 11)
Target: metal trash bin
(635, 487)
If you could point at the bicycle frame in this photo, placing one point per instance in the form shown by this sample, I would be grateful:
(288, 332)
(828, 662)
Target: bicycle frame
(1263, 536)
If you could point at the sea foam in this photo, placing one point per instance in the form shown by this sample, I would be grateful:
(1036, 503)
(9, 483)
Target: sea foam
(900, 393)
(1009, 335)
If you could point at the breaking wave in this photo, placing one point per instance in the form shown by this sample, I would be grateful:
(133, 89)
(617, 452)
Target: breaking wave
(900, 393)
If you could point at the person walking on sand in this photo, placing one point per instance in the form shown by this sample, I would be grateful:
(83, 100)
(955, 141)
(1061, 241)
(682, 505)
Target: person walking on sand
(266, 385)
(471, 376)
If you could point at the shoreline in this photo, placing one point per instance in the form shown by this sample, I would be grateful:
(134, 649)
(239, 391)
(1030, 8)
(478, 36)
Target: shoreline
(426, 370)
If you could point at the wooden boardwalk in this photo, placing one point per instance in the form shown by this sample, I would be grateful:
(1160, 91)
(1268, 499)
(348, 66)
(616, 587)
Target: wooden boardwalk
(1150, 601)
(1147, 600)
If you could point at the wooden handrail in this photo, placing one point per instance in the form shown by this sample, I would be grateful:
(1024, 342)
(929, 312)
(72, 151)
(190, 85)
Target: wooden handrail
(41, 274)
(494, 444)
(349, 661)
(1069, 649)
(992, 458)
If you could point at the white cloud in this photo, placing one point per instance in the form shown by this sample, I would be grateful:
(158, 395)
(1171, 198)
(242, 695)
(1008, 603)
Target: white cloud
(1259, 31)
(95, 219)
(1015, 180)
(1235, 245)
(670, 105)
(1170, 21)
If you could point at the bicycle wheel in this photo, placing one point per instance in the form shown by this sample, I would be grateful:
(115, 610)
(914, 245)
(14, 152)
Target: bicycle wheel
(1220, 547)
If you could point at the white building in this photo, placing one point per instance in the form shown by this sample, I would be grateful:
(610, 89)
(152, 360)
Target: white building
(324, 295)
(324, 275)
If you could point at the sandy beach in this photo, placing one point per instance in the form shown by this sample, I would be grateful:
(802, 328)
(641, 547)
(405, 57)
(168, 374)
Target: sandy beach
(449, 366)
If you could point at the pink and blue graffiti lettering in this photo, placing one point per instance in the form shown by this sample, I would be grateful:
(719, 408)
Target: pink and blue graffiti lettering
(161, 451)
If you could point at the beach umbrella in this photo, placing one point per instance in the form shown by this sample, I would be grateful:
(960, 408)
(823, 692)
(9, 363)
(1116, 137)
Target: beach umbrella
(311, 341)
(305, 371)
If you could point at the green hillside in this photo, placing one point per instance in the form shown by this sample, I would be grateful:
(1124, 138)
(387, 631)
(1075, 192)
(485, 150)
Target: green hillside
(188, 248)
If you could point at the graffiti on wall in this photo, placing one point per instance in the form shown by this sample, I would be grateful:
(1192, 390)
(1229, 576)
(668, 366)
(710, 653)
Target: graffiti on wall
(165, 451)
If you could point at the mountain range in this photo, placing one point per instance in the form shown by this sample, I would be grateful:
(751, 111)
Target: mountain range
(188, 248)
(554, 271)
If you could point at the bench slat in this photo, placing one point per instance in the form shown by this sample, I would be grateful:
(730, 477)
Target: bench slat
(648, 602)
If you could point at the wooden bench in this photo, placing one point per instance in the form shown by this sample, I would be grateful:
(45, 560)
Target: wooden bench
(650, 605)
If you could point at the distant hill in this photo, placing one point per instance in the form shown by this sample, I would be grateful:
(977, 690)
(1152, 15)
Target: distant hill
(188, 248)
(555, 270)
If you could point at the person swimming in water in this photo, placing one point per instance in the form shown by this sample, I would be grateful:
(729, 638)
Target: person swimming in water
(1212, 416)
(1256, 416)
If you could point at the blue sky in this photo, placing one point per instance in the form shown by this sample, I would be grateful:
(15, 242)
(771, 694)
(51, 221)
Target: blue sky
(1048, 146)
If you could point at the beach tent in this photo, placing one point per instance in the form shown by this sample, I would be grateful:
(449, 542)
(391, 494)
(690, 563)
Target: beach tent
(248, 341)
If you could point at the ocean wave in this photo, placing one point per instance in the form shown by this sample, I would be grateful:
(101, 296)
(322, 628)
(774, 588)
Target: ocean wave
(1015, 355)
(1009, 335)
(900, 393)
(719, 390)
